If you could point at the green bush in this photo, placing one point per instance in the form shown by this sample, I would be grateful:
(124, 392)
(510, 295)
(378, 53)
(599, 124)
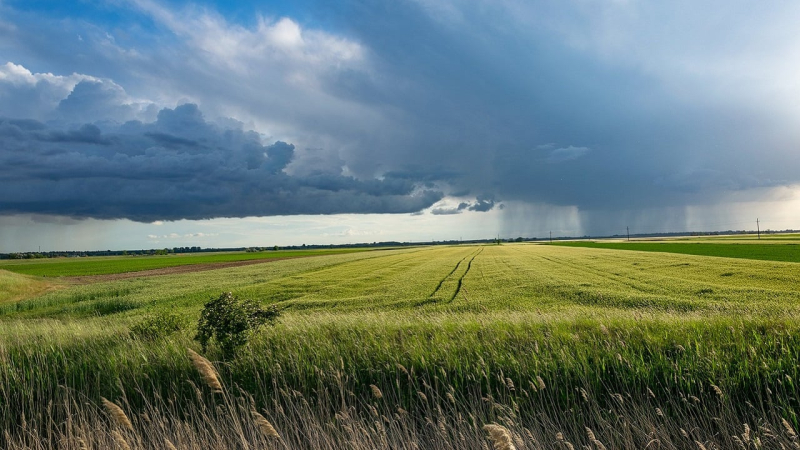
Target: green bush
(158, 326)
(230, 321)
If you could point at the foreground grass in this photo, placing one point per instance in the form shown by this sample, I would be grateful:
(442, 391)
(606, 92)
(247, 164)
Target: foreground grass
(788, 252)
(441, 378)
(646, 350)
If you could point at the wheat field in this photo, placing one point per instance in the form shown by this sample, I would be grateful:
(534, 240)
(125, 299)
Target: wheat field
(504, 346)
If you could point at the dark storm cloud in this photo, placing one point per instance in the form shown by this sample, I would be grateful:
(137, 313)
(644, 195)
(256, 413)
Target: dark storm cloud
(581, 106)
(481, 205)
(178, 167)
(599, 106)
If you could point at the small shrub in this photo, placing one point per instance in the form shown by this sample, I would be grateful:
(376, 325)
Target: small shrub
(230, 321)
(158, 326)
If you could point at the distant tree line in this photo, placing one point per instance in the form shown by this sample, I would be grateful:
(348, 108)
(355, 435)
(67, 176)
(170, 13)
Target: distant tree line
(76, 254)
(167, 251)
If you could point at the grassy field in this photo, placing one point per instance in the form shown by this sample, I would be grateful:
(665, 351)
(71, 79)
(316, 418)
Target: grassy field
(14, 286)
(104, 265)
(421, 348)
(777, 250)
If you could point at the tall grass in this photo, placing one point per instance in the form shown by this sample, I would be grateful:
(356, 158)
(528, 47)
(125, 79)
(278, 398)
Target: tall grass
(441, 380)
(542, 347)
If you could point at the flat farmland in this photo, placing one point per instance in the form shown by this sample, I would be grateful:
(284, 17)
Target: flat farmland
(778, 249)
(421, 348)
(104, 265)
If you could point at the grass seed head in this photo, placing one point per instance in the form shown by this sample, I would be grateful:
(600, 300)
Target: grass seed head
(789, 429)
(510, 384)
(501, 437)
(206, 370)
(376, 392)
(117, 414)
(264, 425)
(120, 440)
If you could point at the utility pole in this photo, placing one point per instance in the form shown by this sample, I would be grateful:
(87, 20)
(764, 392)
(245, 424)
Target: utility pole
(758, 228)
(551, 237)
(628, 231)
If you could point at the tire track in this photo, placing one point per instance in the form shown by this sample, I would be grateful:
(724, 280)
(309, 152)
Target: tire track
(441, 282)
(461, 280)
(431, 298)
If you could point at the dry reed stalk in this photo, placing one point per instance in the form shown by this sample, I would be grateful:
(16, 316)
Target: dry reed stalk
(120, 440)
(501, 437)
(264, 425)
(376, 392)
(117, 414)
(207, 372)
(168, 445)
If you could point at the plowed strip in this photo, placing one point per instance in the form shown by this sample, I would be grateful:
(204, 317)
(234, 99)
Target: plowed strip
(89, 279)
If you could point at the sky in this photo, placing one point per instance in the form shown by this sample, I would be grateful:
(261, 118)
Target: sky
(131, 124)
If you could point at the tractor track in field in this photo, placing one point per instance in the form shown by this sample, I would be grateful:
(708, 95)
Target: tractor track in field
(441, 282)
(461, 280)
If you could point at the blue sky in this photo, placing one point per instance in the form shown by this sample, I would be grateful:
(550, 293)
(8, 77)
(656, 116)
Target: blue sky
(144, 123)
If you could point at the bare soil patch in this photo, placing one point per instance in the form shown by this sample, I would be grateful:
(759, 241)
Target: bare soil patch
(89, 279)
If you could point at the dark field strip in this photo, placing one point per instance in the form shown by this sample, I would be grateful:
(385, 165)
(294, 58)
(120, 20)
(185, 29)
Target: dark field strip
(74, 267)
(764, 252)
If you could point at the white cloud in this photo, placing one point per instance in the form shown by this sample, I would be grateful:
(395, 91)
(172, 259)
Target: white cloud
(563, 154)
(24, 94)
(76, 98)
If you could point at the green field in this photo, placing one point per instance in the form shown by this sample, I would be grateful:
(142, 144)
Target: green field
(104, 265)
(638, 347)
(777, 250)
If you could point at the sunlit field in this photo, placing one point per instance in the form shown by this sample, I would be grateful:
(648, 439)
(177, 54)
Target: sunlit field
(104, 265)
(523, 346)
